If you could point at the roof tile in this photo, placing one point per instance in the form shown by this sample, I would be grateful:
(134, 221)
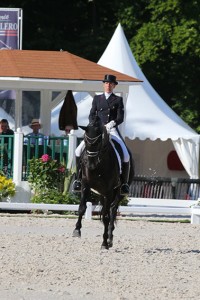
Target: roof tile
(53, 65)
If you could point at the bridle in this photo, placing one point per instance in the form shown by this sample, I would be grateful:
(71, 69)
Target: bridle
(92, 141)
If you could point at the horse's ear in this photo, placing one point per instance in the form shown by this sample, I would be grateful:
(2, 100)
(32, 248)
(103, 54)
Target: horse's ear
(83, 127)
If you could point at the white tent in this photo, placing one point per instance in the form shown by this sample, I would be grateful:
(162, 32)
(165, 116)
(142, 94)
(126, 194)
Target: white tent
(148, 116)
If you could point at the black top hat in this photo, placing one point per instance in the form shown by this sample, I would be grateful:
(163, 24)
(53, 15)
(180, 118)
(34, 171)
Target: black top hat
(110, 78)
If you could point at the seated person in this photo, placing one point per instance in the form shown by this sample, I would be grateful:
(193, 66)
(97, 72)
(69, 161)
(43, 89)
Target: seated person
(33, 136)
(36, 126)
(5, 129)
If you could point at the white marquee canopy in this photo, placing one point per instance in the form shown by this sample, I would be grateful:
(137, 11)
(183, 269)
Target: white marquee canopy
(148, 115)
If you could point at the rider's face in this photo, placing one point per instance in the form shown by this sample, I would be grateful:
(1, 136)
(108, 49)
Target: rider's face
(108, 87)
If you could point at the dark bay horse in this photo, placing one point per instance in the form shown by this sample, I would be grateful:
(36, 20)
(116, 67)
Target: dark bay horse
(101, 174)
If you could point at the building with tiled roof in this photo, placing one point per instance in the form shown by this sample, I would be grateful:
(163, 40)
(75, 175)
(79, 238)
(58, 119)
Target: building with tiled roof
(48, 71)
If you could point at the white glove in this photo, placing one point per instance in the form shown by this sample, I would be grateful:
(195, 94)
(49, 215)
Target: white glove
(110, 125)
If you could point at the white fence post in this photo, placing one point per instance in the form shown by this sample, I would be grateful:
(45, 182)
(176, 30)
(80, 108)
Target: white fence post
(23, 191)
(18, 152)
(71, 151)
(88, 213)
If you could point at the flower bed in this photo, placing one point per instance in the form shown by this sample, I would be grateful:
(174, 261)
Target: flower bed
(47, 178)
(7, 187)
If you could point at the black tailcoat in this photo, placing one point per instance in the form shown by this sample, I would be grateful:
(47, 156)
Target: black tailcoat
(111, 109)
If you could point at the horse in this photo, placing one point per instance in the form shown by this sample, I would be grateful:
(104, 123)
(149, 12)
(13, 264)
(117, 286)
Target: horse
(101, 174)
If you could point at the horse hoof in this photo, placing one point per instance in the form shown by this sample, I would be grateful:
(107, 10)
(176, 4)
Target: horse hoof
(110, 245)
(76, 233)
(103, 247)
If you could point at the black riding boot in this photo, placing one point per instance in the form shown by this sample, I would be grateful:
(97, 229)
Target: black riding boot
(77, 183)
(125, 176)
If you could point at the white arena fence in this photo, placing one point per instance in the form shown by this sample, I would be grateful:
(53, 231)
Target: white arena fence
(147, 195)
(135, 206)
(15, 155)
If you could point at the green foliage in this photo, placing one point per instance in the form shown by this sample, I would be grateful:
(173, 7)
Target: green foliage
(55, 197)
(163, 35)
(124, 201)
(169, 27)
(184, 38)
(2, 173)
(46, 173)
(47, 179)
(167, 47)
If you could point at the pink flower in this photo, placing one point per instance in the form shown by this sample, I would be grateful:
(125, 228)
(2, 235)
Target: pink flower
(45, 157)
(61, 169)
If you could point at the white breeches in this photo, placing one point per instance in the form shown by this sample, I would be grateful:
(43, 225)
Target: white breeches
(114, 136)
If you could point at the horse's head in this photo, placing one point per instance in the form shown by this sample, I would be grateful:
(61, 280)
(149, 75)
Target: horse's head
(95, 137)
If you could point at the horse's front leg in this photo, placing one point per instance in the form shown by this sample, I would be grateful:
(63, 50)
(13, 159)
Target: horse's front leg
(111, 226)
(106, 221)
(81, 211)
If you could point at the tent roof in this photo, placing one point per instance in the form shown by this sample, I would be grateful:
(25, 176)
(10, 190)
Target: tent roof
(148, 115)
(51, 65)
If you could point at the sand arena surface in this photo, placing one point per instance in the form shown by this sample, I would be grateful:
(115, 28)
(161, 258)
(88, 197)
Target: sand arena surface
(41, 260)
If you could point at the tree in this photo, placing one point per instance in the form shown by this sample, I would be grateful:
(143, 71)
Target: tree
(163, 35)
(167, 47)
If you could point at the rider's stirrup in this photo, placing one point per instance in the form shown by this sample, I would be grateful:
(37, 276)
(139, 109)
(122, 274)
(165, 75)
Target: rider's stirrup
(124, 189)
(77, 186)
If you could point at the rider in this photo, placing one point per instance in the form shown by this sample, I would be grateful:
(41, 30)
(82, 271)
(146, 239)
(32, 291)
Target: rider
(110, 109)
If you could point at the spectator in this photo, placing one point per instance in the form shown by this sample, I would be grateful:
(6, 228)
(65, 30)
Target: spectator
(35, 126)
(5, 129)
(7, 158)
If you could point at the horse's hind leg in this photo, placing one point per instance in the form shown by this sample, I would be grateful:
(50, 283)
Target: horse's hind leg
(106, 221)
(81, 212)
(113, 215)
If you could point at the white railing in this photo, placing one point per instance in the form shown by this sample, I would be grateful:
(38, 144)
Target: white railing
(21, 186)
(136, 205)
